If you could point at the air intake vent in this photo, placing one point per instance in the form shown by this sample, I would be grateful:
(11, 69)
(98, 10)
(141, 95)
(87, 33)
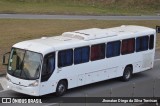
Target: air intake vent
(89, 34)
(73, 35)
(43, 37)
(61, 38)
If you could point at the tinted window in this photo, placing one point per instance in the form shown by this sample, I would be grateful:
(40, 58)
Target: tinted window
(97, 52)
(128, 46)
(142, 43)
(48, 66)
(151, 42)
(81, 55)
(113, 49)
(65, 58)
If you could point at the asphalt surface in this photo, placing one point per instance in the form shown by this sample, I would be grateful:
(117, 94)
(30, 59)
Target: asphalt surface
(77, 17)
(1, 87)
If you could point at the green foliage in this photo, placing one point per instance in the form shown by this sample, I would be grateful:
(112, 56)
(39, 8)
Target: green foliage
(87, 7)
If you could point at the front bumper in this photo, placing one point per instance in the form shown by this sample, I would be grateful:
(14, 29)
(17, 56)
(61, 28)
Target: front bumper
(33, 91)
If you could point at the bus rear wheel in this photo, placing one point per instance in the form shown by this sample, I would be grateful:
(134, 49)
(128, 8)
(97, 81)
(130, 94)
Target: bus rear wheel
(127, 74)
(61, 88)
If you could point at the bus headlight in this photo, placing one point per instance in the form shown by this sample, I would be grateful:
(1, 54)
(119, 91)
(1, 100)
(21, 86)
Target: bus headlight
(34, 83)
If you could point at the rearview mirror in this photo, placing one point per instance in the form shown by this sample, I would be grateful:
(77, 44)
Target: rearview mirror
(5, 60)
(158, 29)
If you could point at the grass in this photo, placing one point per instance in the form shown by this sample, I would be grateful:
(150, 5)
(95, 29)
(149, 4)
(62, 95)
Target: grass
(16, 30)
(87, 7)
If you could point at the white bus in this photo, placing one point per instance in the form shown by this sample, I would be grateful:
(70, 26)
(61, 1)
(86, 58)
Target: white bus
(55, 64)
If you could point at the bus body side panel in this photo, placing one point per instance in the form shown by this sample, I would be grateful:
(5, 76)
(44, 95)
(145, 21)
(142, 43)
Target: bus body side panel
(99, 70)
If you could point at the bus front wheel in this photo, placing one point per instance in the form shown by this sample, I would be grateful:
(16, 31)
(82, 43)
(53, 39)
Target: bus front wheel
(61, 88)
(127, 74)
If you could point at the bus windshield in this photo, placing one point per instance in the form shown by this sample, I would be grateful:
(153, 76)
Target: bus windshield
(24, 64)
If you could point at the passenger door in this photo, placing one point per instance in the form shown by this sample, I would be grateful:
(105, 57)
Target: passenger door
(46, 85)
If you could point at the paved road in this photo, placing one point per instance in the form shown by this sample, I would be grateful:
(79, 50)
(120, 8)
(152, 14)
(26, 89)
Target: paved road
(1, 87)
(77, 17)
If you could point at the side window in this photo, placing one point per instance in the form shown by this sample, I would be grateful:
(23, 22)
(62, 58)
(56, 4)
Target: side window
(65, 58)
(113, 49)
(151, 42)
(142, 43)
(48, 66)
(128, 46)
(81, 55)
(97, 52)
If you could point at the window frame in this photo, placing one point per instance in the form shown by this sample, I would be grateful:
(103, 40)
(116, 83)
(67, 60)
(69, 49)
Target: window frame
(127, 46)
(151, 46)
(114, 48)
(88, 47)
(141, 50)
(65, 61)
(99, 56)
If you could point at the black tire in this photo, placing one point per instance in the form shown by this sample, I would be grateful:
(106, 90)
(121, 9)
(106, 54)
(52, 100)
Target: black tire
(127, 74)
(61, 88)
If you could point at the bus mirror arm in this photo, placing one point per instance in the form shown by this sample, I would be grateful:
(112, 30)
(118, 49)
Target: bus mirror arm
(4, 58)
(158, 29)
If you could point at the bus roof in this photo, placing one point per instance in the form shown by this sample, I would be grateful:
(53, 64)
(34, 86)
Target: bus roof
(48, 44)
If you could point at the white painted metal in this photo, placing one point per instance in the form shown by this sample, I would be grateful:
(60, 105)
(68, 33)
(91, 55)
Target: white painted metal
(92, 71)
